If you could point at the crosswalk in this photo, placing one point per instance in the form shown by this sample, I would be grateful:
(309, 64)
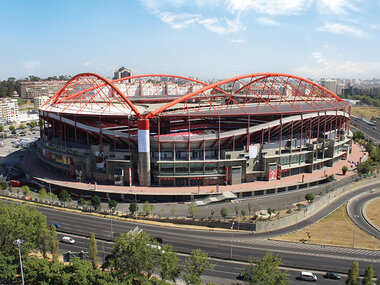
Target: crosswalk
(320, 249)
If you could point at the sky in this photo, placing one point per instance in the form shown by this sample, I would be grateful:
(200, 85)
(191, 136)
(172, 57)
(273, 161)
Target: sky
(207, 39)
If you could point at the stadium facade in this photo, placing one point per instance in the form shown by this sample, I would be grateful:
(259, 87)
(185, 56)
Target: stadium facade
(165, 130)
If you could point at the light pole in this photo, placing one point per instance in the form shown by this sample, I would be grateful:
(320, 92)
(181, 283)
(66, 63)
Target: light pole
(19, 242)
(232, 236)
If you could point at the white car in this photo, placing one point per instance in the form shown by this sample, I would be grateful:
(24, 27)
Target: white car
(68, 240)
(308, 276)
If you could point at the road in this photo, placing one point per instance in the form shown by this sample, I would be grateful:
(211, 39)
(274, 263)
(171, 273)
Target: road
(370, 131)
(355, 212)
(218, 244)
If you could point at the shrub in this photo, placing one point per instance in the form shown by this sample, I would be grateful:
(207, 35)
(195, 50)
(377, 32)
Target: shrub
(224, 212)
(330, 178)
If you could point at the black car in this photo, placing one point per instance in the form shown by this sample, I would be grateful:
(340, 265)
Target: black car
(244, 277)
(332, 275)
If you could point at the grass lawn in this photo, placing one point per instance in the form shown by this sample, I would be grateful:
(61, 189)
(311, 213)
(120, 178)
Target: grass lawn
(373, 212)
(366, 111)
(336, 229)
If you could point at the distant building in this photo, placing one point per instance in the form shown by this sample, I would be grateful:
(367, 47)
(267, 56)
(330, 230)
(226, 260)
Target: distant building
(8, 109)
(122, 72)
(32, 89)
(39, 101)
(15, 94)
(330, 84)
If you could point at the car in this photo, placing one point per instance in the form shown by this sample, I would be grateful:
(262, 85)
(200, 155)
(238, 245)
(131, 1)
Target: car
(66, 239)
(308, 276)
(157, 247)
(57, 225)
(244, 277)
(332, 275)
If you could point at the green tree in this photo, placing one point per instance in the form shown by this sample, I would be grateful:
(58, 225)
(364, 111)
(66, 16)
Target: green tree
(195, 266)
(81, 202)
(54, 243)
(44, 241)
(133, 208)
(368, 276)
(12, 128)
(26, 190)
(266, 271)
(20, 222)
(22, 126)
(1, 128)
(344, 169)
(168, 263)
(236, 210)
(112, 204)
(243, 213)
(364, 167)
(95, 202)
(42, 193)
(353, 274)
(3, 185)
(224, 212)
(212, 212)
(93, 251)
(309, 197)
(192, 209)
(64, 196)
(8, 267)
(147, 208)
(134, 254)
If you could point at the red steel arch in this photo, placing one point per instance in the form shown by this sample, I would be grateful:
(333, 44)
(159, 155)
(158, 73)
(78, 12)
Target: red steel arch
(84, 79)
(315, 92)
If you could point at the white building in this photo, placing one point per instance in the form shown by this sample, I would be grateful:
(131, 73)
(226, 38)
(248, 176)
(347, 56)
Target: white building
(8, 110)
(39, 101)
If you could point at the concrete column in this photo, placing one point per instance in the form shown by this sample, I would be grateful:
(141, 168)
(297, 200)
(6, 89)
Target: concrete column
(144, 152)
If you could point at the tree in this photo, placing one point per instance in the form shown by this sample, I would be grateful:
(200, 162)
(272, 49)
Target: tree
(309, 197)
(95, 202)
(64, 196)
(3, 185)
(266, 271)
(249, 208)
(243, 213)
(193, 209)
(93, 251)
(54, 243)
(42, 193)
(368, 276)
(353, 274)
(1, 128)
(344, 169)
(133, 208)
(168, 263)
(271, 211)
(20, 221)
(212, 212)
(22, 126)
(195, 266)
(224, 212)
(81, 202)
(44, 241)
(134, 254)
(364, 167)
(11, 128)
(112, 204)
(8, 267)
(26, 190)
(236, 210)
(147, 208)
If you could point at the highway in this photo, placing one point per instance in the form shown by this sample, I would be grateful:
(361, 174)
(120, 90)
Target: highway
(218, 243)
(370, 131)
(355, 212)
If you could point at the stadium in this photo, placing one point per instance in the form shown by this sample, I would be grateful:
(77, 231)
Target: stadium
(173, 131)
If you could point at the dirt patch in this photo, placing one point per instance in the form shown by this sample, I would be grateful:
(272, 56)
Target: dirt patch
(373, 212)
(337, 229)
(366, 111)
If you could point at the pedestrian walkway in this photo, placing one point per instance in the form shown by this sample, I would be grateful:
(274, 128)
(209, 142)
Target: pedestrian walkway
(38, 171)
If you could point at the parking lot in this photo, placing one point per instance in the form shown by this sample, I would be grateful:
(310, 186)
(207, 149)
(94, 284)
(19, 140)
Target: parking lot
(14, 142)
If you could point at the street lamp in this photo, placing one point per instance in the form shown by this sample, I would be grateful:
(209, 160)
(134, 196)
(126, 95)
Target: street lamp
(19, 242)
(232, 236)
